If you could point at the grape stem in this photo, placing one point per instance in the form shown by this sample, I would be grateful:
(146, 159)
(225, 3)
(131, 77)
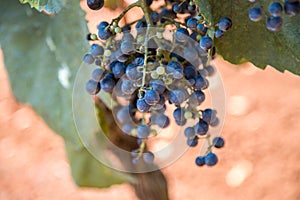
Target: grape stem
(117, 20)
(209, 144)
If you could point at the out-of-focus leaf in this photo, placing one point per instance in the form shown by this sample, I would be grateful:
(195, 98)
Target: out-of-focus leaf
(42, 55)
(251, 41)
(50, 6)
(88, 172)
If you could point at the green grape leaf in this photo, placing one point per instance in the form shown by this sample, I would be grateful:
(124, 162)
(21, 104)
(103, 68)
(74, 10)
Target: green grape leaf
(42, 55)
(88, 172)
(251, 41)
(49, 6)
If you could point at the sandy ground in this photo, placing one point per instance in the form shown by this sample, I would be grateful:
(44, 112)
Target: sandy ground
(260, 161)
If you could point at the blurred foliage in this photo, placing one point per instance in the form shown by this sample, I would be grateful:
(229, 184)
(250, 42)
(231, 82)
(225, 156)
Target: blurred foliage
(42, 54)
(251, 41)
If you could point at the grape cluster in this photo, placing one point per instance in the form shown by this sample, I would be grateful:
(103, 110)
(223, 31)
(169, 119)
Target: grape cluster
(151, 75)
(274, 21)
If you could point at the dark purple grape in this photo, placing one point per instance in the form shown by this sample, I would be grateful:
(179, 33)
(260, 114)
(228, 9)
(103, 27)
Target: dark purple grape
(151, 97)
(96, 50)
(255, 13)
(275, 9)
(292, 8)
(218, 142)
(201, 127)
(95, 4)
(206, 43)
(274, 24)
(200, 161)
(142, 106)
(211, 159)
(148, 157)
(97, 74)
(181, 35)
(88, 59)
(224, 24)
(143, 131)
(92, 87)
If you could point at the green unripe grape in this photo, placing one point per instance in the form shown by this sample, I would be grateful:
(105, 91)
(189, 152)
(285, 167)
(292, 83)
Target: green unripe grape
(107, 53)
(118, 30)
(160, 70)
(154, 75)
(188, 115)
(168, 81)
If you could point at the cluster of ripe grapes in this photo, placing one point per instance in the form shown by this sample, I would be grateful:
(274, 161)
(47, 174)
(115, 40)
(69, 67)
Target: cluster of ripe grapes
(274, 20)
(150, 74)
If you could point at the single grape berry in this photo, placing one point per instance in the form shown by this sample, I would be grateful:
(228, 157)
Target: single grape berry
(200, 161)
(88, 59)
(127, 87)
(124, 115)
(219, 34)
(178, 96)
(192, 142)
(274, 23)
(143, 131)
(148, 157)
(118, 69)
(142, 106)
(196, 98)
(224, 24)
(275, 9)
(154, 17)
(192, 8)
(206, 43)
(189, 72)
(181, 35)
(162, 120)
(132, 72)
(151, 97)
(209, 115)
(189, 132)
(255, 13)
(177, 8)
(201, 127)
(218, 142)
(158, 85)
(107, 84)
(200, 83)
(141, 27)
(96, 50)
(211, 159)
(97, 74)
(192, 22)
(149, 2)
(127, 128)
(92, 87)
(292, 9)
(190, 54)
(200, 27)
(103, 31)
(127, 47)
(95, 4)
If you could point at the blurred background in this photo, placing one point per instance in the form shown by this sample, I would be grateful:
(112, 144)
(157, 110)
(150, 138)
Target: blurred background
(260, 159)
